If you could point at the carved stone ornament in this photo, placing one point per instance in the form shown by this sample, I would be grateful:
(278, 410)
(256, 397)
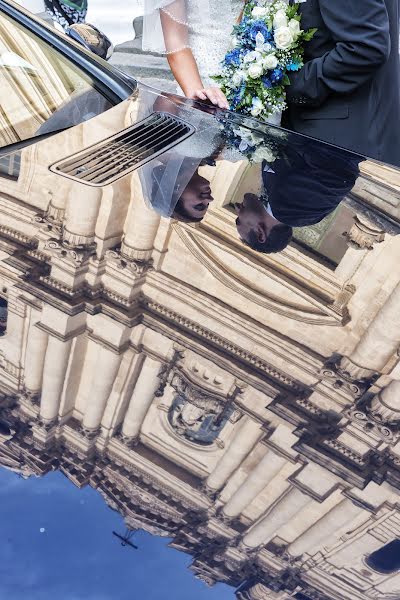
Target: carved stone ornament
(364, 234)
(196, 414)
(137, 267)
(380, 414)
(373, 425)
(77, 254)
(344, 375)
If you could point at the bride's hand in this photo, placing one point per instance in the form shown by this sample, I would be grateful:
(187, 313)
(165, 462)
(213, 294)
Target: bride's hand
(213, 94)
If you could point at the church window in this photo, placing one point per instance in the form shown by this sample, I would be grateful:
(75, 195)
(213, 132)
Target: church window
(386, 559)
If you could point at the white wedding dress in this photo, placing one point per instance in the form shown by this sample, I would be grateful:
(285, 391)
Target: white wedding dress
(204, 26)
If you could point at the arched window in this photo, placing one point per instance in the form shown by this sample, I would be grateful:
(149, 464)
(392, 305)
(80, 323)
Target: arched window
(3, 316)
(386, 559)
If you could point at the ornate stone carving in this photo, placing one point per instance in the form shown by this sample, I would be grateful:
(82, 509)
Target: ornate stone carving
(89, 434)
(46, 426)
(136, 266)
(133, 254)
(32, 397)
(345, 375)
(197, 415)
(77, 254)
(380, 414)
(364, 234)
(229, 347)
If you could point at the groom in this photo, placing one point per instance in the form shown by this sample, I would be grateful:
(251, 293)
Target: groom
(348, 92)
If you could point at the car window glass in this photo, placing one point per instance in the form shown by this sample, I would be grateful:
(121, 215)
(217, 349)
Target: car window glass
(41, 91)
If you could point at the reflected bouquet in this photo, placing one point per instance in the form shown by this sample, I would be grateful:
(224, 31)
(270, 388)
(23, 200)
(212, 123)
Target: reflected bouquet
(266, 46)
(255, 146)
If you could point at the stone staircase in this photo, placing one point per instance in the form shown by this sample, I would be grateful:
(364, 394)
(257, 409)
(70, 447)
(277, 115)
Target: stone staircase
(151, 68)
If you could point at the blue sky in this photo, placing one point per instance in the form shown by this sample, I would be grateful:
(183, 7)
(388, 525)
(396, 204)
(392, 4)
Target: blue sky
(76, 557)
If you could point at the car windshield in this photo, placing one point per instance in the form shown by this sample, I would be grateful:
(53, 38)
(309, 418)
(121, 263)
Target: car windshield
(41, 90)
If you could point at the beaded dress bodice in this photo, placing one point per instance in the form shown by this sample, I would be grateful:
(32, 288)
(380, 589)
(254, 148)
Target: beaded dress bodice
(210, 43)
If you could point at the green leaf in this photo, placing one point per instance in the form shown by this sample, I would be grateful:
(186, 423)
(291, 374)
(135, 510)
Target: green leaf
(308, 35)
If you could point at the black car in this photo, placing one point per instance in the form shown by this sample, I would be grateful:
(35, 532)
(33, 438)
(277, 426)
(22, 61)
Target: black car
(199, 327)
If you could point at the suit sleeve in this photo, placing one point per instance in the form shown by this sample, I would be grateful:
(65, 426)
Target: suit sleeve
(360, 30)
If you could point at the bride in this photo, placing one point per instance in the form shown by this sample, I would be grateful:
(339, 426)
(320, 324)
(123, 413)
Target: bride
(195, 35)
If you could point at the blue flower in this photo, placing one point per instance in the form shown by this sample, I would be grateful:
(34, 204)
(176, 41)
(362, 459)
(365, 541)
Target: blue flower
(266, 82)
(260, 27)
(233, 58)
(293, 66)
(276, 76)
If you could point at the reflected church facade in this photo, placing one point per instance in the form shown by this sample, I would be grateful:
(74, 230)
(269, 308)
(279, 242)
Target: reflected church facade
(245, 406)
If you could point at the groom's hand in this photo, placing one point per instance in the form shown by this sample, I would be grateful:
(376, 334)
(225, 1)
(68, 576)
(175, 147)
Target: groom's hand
(210, 94)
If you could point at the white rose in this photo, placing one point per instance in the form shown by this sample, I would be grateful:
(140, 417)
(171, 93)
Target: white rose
(294, 27)
(255, 71)
(256, 109)
(252, 56)
(280, 19)
(283, 38)
(270, 62)
(237, 78)
(262, 153)
(258, 12)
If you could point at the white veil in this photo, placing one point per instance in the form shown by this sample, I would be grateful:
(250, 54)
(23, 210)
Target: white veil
(167, 24)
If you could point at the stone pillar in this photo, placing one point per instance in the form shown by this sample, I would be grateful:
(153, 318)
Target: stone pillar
(106, 369)
(140, 228)
(280, 515)
(16, 323)
(379, 342)
(385, 406)
(246, 437)
(55, 368)
(34, 358)
(264, 472)
(57, 202)
(364, 234)
(81, 217)
(325, 531)
(141, 399)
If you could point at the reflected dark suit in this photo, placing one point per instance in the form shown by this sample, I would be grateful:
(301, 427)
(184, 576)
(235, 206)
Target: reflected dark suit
(348, 92)
(309, 182)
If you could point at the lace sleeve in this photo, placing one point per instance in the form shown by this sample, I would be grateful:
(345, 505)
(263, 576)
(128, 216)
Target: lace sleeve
(165, 26)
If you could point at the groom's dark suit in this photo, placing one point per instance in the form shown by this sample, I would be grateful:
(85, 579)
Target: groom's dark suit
(348, 92)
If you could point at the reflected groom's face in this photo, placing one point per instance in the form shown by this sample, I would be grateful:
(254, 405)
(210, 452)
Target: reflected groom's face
(250, 215)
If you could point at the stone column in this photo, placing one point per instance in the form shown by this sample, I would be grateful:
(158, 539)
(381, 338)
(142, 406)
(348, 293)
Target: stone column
(379, 342)
(364, 234)
(16, 323)
(55, 368)
(385, 406)
(81, 217)
(264, 472)
(246, 437)
(34, 358)
(141, 399)
(280, 515)
(106, 369)
(326, 530)
(140, 228)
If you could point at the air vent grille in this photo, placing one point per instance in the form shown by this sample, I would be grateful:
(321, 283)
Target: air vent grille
(126, 151)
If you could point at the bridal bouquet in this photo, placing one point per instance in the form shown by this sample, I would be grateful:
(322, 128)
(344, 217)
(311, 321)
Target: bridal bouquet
(266, 45)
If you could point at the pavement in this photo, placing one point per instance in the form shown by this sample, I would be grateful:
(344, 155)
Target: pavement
(117, 23)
